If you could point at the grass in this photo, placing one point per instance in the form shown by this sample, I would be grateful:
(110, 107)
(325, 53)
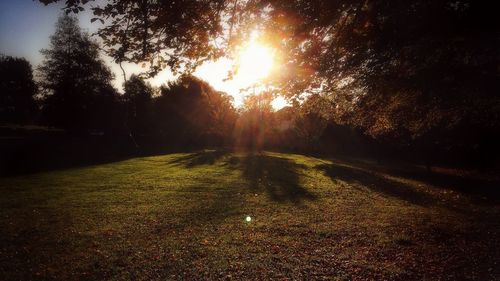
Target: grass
(182, 216)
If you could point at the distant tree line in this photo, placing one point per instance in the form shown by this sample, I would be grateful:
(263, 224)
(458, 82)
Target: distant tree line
(18, 90)
(74, 92)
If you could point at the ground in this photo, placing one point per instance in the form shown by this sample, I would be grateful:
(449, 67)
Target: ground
(183, 216)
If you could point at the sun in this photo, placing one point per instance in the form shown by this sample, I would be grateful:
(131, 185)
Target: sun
(254, 63)
(251, 64)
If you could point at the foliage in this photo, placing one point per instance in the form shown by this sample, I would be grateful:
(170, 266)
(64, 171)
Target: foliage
(310, 124)
(398, 70)
(256, 122)
(75, 80)
(138, 102)
(17, 90)
(165, 33)
(191, 111)
(296, 128)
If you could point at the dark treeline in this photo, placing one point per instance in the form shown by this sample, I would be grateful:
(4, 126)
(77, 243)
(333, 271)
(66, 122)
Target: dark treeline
(18, 90)
(75, 106)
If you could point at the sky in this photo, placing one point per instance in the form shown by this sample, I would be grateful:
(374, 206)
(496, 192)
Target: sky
(26, 25)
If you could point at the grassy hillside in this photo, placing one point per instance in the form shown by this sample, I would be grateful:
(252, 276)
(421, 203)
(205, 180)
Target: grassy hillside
(184, 216)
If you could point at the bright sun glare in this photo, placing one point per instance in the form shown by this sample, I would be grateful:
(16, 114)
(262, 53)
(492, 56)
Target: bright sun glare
(254, 63)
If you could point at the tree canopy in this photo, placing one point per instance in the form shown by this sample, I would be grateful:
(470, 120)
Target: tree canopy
(390, 67)
(189, 110)
(17, 90)
(76, 82)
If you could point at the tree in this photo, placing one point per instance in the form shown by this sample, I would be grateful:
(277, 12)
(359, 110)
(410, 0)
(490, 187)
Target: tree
(309, 124)
(17, 90)
(256, 122)
(75, 80)
(398, 70)
(138, 101)
(166, 33)
(190, 112)
(293, 128)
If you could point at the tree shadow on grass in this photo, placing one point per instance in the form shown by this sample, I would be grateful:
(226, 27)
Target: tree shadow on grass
(208, 206)
(279, 177)
(376, 183)
(481, 190)
(203, 157)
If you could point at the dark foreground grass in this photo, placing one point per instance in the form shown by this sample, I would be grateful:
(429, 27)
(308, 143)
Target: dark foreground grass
(182, 216)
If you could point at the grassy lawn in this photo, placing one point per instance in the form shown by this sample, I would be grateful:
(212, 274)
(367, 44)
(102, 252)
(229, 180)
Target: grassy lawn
(183, 216)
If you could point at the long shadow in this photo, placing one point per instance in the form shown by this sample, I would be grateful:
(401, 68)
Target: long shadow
(478, 189)
(279, 177)
(376, 183)
(214, 208)
(204, 157)
(484, 190)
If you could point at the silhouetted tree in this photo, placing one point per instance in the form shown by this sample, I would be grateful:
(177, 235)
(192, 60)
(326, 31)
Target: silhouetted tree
(293, 128)
(138, 102)
(256, 122)
(192, 113)
(17, 90)
(75, 80)
(309, 124)
(401, 71)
